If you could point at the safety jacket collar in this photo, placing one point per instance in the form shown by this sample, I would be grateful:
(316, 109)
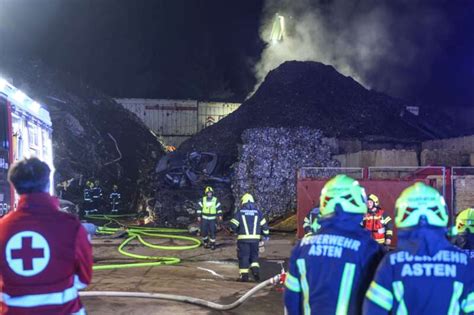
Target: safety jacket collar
(425, 240)
(38, 202)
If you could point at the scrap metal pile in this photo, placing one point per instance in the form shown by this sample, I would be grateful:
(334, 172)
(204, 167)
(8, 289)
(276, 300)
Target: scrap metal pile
(313, 95)
(181, 170)
(93, 137)
(268, 163)
(281, 127)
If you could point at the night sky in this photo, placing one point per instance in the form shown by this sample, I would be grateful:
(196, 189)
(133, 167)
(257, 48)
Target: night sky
(205, 49)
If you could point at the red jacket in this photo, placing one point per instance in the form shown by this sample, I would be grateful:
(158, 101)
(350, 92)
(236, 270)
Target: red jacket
(379, 225)
(45, 258)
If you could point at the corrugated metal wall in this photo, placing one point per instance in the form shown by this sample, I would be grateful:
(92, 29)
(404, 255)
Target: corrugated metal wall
(177, 120)
(211, 112)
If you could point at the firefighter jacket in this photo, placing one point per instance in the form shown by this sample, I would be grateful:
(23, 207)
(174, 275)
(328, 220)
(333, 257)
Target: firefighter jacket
(465, 241)
(330, 270)
(115, 197)
(45, 258)
(87, 195)
(210, 208)
(249, 223)
(96, 193)
(425, 275)
(379, 224)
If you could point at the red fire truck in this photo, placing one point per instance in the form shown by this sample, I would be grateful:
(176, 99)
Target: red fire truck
(25, 131)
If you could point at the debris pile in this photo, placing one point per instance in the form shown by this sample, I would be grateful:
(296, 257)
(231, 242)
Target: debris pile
(180, 171)
(268, 164)
(308, 94)
(177, 207)
(93, 137)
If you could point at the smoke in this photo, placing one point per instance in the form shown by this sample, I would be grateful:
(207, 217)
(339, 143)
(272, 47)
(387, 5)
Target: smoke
(384, 45)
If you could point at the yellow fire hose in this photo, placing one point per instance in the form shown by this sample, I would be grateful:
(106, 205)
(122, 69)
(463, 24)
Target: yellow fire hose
(139, 233)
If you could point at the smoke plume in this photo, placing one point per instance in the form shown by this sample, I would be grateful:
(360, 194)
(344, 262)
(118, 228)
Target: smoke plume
(379, 43)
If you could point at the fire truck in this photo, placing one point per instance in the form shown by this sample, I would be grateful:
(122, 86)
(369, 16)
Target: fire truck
(25, 131)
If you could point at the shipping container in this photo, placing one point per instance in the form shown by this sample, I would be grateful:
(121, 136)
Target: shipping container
(175, 121)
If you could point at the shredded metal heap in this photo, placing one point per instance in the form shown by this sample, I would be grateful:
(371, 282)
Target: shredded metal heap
(268, 163)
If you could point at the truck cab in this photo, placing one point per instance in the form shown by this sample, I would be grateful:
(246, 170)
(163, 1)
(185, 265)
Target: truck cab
(25, 131)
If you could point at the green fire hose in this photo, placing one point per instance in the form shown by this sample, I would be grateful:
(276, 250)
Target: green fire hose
(139, 233)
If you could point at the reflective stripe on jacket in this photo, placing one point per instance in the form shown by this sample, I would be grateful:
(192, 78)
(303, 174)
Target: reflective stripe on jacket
(249, 223)
(210, 208)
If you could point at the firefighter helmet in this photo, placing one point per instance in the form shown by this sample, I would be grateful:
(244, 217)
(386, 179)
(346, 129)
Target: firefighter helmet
(247, 198)
(375, 199)
(465, 221)
(208, 189)
(417, 201)
(344, 191)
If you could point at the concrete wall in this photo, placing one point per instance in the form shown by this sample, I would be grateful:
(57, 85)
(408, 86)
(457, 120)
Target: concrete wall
(462, 144)
(444, 157)
(378, 158)
(451, 152)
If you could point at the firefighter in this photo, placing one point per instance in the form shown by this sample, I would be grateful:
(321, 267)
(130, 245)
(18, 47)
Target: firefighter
(208, 215)
(331, 269)
(45, 253)
(251, 227)
(114, 199)
(377, 222)
(426, 274)
(97, 196)
(88, 202)
(465, 231)
(310, 223)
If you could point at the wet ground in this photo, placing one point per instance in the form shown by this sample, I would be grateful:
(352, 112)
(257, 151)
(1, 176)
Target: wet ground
(205, 274)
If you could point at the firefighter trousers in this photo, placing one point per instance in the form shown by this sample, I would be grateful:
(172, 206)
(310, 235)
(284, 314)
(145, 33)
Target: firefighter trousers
(247, 253)
(208, 230)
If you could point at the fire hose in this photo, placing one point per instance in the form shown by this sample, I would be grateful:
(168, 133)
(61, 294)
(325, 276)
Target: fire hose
(278, 279)
(139, 233)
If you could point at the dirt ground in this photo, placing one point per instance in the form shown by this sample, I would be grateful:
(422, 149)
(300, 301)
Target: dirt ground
(206, 274)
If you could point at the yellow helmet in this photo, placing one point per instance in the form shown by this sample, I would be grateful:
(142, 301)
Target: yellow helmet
(375, 199)
(208, 189)
(465, 221)
(247, 198)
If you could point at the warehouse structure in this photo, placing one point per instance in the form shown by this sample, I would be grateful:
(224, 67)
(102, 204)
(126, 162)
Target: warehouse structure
(175, 121)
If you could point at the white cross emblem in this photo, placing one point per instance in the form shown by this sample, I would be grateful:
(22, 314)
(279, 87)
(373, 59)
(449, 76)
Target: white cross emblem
(27, 253)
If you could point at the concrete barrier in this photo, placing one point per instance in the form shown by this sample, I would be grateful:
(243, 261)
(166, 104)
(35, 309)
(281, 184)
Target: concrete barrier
(378, 158)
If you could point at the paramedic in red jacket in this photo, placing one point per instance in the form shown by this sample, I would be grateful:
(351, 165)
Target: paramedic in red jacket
(45, 254)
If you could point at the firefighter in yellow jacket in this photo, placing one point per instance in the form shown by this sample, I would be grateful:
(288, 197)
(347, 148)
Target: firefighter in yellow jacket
(208, 214)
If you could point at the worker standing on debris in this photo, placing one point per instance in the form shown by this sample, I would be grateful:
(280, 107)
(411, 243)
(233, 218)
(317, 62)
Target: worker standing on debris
(310, 223)
(88, 202)
(208, 215)
(114, 199)
(331, 269)
(378, 222)
(251, 226)
(97, 196)
(45, 254)
(426, 274)
(465, 231)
